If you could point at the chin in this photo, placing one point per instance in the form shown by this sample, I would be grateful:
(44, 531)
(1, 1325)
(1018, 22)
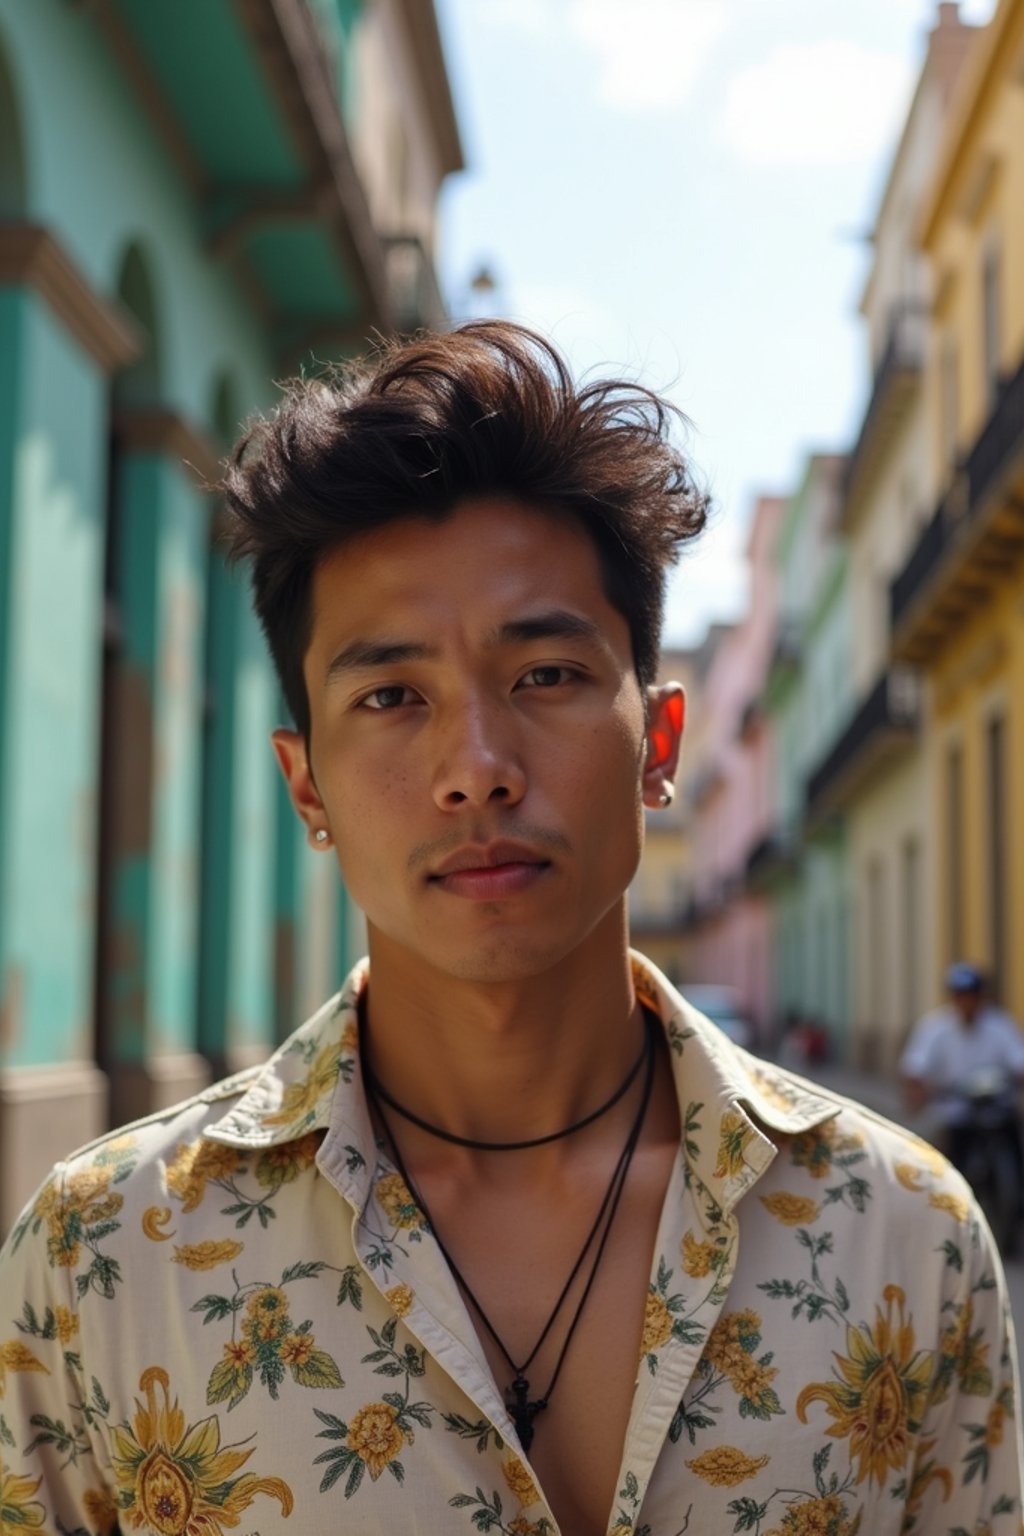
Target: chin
(501, 959)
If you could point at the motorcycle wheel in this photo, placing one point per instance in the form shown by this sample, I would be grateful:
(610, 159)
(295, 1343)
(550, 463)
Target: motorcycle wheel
(998, 1194)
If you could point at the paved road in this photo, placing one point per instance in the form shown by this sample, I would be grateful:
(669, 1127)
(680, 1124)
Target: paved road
(883, 1095)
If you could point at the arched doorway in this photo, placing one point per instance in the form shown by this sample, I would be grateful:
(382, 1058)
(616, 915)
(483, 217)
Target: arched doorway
(126, 735)
(13, 171)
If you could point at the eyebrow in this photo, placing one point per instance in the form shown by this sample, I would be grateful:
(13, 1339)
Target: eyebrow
(365, 655)
(555, 624)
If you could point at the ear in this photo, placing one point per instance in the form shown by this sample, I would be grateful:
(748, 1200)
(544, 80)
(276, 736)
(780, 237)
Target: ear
(293, 759)
(666, 715)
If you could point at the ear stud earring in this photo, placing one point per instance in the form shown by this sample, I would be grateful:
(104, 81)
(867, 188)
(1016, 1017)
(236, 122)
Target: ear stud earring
(667, 795)
(321, 836)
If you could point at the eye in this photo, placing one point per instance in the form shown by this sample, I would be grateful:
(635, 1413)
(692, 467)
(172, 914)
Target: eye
(393, 696)
(547, 677)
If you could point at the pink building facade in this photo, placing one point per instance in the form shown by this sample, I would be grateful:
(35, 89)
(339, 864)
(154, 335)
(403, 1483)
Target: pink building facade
(733, 792)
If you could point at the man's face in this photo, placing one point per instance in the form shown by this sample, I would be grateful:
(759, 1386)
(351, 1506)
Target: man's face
(967, 1005)
(478, 740)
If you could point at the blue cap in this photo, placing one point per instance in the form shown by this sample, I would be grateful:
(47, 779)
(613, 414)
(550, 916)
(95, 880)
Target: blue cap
(964, 978)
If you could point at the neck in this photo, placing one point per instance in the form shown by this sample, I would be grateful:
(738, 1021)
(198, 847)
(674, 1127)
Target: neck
(509, 1060)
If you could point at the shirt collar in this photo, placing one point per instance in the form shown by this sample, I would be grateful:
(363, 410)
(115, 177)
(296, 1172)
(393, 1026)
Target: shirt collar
(730, 1102)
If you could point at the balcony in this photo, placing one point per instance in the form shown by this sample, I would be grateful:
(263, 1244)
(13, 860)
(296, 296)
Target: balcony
(772, 860)
(786, 659)
(751, 721)
(896, 380)
(975, 535)
(881, 730)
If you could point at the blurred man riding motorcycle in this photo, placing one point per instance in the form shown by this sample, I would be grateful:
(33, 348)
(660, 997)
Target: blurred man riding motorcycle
(965, 1061)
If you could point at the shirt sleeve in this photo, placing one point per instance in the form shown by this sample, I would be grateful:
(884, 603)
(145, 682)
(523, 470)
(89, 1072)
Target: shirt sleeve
(916, 1060)
(1014, 1045)
(968, 1473)
(50, 1476)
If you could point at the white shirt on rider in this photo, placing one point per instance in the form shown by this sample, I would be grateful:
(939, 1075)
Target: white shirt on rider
(947, 1054)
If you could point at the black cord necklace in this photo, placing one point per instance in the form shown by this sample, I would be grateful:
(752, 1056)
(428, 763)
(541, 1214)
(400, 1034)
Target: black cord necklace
(521, 1408)
(379, 1092)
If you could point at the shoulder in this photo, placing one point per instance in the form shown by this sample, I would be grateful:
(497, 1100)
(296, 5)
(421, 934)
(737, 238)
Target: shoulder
(861, 1163)
(998, 1020)
(133, 1164)
(856, 1209)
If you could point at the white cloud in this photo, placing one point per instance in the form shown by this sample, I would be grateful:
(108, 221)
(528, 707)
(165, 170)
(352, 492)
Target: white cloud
(649, 52)
(816, 104)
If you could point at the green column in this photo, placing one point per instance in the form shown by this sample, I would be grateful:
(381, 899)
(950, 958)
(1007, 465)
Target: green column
(52, 477)
(153, 760)
(250, 1024)
(52, 474)
(217, 835)
(239, 832)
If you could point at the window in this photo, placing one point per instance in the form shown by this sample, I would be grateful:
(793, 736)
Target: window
(990, 325)
(911, 931)
(875, 930)
(955, 852)
(996, 744)
(950, 402)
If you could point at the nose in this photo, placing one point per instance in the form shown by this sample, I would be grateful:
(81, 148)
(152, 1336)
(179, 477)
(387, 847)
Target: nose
(479, 761)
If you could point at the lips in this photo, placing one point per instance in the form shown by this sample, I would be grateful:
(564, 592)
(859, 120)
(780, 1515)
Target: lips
(489, 856)
(490, 872)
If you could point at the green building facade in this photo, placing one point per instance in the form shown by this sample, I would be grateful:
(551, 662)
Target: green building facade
(803, 867)
(182, 221)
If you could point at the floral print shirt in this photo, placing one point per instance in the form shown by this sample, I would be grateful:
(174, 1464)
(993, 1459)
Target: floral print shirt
(233, 1317)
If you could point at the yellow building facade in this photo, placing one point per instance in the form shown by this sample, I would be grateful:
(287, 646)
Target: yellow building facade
(879, 777)
(957, 603)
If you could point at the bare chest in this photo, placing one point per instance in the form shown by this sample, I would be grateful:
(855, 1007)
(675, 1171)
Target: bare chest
(517, 1256)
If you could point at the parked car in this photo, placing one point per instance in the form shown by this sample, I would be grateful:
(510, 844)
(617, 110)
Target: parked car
(723, 1006)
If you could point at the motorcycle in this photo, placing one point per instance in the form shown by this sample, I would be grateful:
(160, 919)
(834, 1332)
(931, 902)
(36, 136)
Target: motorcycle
(985, 1146)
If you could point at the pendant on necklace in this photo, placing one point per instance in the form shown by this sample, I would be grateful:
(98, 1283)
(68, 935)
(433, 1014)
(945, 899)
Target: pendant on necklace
(522, 1412)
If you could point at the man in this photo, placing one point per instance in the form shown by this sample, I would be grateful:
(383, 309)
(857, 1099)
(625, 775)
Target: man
(952, 1048)
(506, 1238)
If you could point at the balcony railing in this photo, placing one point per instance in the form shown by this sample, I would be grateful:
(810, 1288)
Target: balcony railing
(774, 858)
(884, 724)
(751, 719)
(1001, 436)
(962, 530)
(895, 379)
(787, 650)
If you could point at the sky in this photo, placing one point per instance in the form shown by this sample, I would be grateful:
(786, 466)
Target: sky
(682, 192)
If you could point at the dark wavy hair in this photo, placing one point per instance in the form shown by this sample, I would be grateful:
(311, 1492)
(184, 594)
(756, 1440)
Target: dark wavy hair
(489, 408)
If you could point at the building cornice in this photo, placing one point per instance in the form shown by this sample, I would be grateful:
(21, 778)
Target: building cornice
(420, 19)
(289, 45)
(172, 436)
(31, 257)
(998, 50)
